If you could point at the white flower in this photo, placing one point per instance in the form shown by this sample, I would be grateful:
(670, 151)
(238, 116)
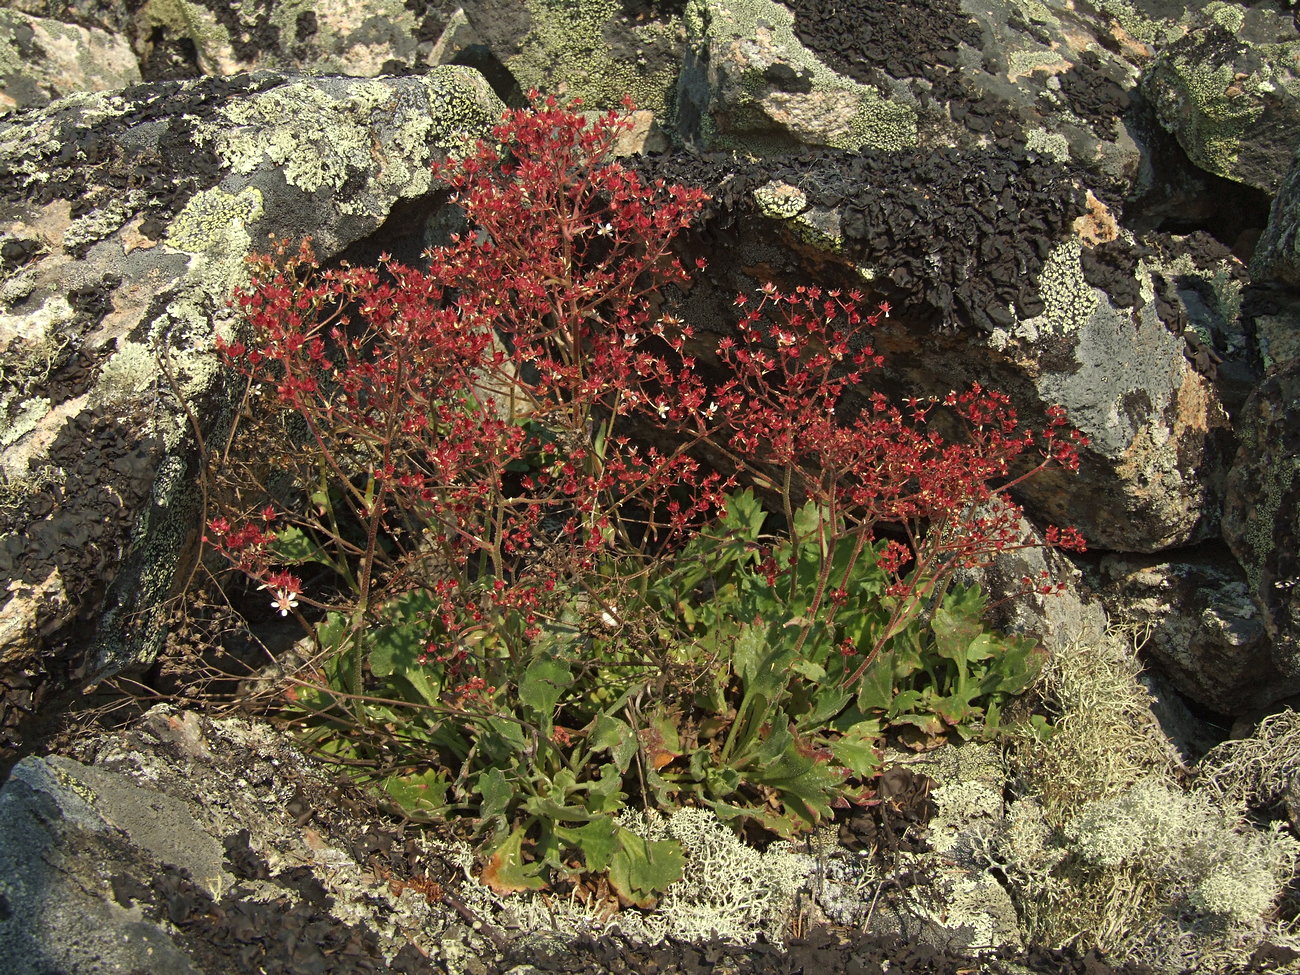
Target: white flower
(604, 230)
(284, 601)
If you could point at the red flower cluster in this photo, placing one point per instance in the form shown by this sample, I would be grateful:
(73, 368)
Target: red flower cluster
(475, 417)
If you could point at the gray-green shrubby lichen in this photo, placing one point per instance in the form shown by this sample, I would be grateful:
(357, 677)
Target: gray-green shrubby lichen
(1199, 851)
(728, 891)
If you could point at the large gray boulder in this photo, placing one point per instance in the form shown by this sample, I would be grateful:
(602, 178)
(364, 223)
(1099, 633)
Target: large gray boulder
(187, 846)
(125, 220)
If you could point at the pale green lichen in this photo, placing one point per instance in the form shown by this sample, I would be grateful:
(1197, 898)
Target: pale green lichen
(1229, 16)
(33, 346)
(820, 229)
(1068, 299)
(728, 891)
(128, 372)
(1277, 483)
(69, 56)
(879, 124)
(1213, 134)
(320, 136)
(567, 41)
(203, 224)
(298, 128)
(1198, 850)
(1104, 848)
(462, 110)
(183, 19)
(22, 418)
(1025, 62)
(1035, 12)
(1052, 144)
(38, 340)
(1138, 24)
(1258, 769)
(781, 201)
(103, 220)
(17, 486)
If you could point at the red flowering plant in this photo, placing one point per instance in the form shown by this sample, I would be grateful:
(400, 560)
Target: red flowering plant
(530, 597)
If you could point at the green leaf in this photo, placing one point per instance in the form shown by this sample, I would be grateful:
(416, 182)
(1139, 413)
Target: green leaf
(496, 792)
(857, 749)
(876, 686)
(954, 632)
(616, 737)
(745, 516)
(555, 811)
(810, 520)
(543, 684)
(507, 873)
(423, 794)
(597, 841)
(293, 546)
(331, 631)
(642, 869)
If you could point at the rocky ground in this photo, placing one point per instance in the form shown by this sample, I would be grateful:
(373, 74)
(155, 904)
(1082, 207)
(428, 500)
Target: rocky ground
(1092, 204)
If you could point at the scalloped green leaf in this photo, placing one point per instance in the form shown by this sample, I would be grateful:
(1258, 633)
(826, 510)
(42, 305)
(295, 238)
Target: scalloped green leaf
(641, 869)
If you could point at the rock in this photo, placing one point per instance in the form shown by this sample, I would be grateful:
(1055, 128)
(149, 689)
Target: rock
(1203, 627)
(986, 73)
(41, 60)
(1232, 97)
(1277, 257)
(598, 50)
(189, 846)
(1261, 520)
(748, 83)
(124, 222)
(59, 913)
(182, 38)
(1004, 269)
